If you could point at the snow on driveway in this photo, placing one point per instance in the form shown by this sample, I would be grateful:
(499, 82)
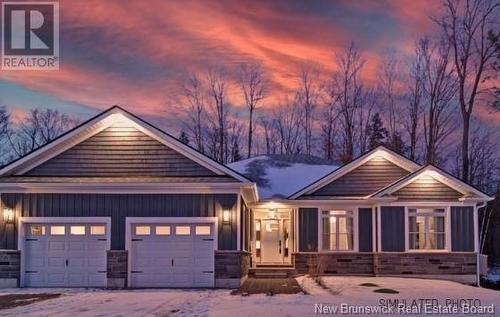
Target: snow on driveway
(219, 303)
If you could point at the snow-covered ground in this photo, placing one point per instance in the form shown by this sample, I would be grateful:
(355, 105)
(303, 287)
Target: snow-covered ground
(333, 292)
(493, 275)
(279, 176)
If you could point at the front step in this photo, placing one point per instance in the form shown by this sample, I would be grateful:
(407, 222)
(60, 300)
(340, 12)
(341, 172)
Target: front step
(271, 272)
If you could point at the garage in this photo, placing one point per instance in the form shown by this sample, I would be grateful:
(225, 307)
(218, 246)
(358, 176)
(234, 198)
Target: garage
(172, 254)
(65, 254)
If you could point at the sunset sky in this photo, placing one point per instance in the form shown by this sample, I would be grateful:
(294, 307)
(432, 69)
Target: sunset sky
(135, 53)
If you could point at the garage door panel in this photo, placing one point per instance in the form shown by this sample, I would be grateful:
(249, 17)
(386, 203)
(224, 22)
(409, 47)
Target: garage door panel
(179, 256)
(57, 246)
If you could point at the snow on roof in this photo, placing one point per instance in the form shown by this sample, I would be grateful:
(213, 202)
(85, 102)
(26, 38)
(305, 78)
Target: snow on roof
(279, 176)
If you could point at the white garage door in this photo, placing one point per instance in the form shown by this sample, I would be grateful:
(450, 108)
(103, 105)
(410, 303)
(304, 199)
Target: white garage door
(172, 255)
(65, 255)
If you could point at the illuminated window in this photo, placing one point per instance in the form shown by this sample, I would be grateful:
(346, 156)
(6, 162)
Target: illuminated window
(337, 230)
(182, 230)
(97, 230)
(57, 230)
(37, 230)
(77, 230)
(202, 230)
(427, 229)
(142, 230)
(162, 230)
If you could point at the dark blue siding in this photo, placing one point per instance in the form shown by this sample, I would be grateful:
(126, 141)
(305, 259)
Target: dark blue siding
(393, 229)
(118, 207)
(462, 229)
(308, 229)
(365, 230)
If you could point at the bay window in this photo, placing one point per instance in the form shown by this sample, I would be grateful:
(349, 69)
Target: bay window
(337, 230)
(427, 228)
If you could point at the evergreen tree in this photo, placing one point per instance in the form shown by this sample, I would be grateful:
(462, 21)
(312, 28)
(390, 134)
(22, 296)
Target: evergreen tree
(397, 144)
(183, 137)
(376, 132)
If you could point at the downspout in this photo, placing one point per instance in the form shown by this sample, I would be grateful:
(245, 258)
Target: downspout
(478, 273)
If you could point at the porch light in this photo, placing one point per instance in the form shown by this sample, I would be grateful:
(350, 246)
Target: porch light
(8, 215)
(226, 216)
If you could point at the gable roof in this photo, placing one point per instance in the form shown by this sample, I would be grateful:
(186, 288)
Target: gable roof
(99, 123)
(468, 191)
(380, 151)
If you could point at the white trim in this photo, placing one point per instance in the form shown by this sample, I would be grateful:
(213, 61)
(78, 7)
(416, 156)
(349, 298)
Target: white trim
(374, 229)
(379, 151)
(355, 232)
(105, 120)
(407, 230)
(65, 220)
(476, 229)
(238, 223)
(447, 229)
(164, 220)
(439, 176)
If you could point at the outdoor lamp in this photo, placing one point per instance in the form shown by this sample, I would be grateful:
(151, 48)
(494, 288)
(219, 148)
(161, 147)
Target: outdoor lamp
(8, 215)
(226, 216)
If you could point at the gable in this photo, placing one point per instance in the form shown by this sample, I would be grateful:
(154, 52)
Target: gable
(120, 150)
(374, 174)
(427, 188)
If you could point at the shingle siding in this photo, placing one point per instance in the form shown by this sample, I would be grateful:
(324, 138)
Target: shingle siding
(364, 180)
(426, 189)
(392, 229)
(120, 151)
(120, 206)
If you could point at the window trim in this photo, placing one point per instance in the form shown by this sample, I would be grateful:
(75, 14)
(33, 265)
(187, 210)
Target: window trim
(355, 230)
(447, 228)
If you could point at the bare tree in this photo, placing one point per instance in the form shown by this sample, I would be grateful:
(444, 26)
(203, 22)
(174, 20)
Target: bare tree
(368, 101)
(270, 135)
(217, 89)
(194, 93)
(4, 132)
(235, 136)
(38, 128)
(329, 126)
(307, 98)
(287, 120)
(471, 27)
(415, 90)
(388, 80)
(346, 85)
(439, 88)
(253, 83)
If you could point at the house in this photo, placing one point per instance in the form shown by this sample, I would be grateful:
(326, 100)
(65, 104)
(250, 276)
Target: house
(117, 202)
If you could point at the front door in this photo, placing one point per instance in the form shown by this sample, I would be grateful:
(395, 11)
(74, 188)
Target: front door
(271, 243)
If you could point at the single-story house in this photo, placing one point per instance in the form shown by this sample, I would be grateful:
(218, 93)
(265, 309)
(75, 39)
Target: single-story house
(116, 202)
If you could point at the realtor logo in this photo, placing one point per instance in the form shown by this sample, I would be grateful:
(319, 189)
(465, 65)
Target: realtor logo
(30, 36)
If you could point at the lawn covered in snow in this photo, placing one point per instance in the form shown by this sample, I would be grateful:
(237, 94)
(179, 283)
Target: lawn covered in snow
(333, 291)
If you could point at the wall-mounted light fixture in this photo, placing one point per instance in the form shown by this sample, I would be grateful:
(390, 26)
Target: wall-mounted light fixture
(226, 216)
(8, 215)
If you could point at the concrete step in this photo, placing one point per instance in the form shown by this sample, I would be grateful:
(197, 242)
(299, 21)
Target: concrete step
(271, 272)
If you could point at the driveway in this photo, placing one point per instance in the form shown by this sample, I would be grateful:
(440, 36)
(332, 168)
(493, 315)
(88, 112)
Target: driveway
(332, 292)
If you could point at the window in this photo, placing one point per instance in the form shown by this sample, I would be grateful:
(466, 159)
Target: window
(57, 230)
(182, 230)
(427, 229)
(37, 230)
(202, 230)
(162, 230)
(97, 230)
(77, 230)
(337, 230)
(142, 230)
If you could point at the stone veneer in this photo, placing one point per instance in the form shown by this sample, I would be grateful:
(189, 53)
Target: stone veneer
(377, 264)
(231, 268)
(10, 268)
(117, 268)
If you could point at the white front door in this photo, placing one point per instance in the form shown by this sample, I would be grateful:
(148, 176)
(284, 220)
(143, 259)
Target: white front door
(172, 255)
(270, 240)
(65, 255)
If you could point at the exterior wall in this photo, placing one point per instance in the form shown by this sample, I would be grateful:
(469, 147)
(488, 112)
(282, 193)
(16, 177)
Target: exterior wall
(308, 229)
(428, 263)
(365, 224)
(120, 151)
(392, 224)
(10, 268)
(364, 180)
(462, 229)
(118, 207)
(231, 268)
(426, 188)
(117, 268)
(342, 263)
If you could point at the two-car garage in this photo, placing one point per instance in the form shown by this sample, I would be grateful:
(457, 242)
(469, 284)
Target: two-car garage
(162, 252)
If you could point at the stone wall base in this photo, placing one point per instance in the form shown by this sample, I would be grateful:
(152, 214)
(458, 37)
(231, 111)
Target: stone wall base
(9, 282)
(231, 268)
(10, 268)
(117, 283)
(117, 268)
